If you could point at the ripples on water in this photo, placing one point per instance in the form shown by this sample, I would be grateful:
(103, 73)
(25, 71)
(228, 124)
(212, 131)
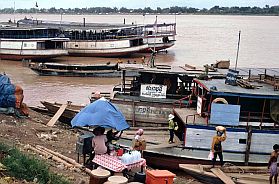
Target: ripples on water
(200, 40)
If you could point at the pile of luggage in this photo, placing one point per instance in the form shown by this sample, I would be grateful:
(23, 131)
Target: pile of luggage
(11, 98)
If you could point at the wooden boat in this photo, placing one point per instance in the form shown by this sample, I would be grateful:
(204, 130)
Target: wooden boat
(239, 174)
(151, 96)
(67, 115)
(146, 110)
(17, 43)
(77, 70)
(249, 139)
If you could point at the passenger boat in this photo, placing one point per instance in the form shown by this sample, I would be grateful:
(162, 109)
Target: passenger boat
(17, 43)
(112, 40)
(78, 70)
(159, 36)
(250, 115)
(104, 43)
(93, 39)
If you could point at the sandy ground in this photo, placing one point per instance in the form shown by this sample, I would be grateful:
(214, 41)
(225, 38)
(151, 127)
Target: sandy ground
(20, 132)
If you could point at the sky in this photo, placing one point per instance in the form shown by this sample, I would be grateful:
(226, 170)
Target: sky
(133, 3)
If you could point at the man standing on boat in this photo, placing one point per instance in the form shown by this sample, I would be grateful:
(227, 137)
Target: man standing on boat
(272, 164)
(172, 126)
(216, 146)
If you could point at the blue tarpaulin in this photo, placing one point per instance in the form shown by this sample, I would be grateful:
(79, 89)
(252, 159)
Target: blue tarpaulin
(7, 91)
(100, 113)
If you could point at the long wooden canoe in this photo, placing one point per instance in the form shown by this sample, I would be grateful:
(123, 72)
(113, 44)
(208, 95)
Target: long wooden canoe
(239, 174)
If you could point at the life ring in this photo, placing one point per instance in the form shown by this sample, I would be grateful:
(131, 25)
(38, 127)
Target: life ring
(220, 100)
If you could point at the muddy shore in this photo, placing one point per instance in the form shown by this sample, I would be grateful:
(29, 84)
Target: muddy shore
(21, 132)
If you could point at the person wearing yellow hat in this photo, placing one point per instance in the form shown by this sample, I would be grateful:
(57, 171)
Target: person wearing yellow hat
(172, 126)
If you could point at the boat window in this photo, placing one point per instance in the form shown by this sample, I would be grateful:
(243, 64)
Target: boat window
(242, 141)
(166, 39)
(41, 45)
(76, 45)
(58, 45)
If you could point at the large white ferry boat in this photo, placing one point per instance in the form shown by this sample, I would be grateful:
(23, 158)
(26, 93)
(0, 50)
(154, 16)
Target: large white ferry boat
(17, 43)
(102, 42)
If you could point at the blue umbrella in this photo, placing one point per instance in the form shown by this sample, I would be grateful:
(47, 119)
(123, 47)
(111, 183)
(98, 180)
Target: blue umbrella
(100, 113)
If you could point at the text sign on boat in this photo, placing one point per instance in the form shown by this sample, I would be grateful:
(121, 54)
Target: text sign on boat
(224, 114)
(231, 77)
(153, 91)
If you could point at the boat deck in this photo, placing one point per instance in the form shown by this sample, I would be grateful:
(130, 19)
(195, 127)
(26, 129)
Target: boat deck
(190, 116)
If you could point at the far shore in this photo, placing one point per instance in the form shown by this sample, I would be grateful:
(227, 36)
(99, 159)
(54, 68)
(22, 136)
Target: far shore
(177, 14)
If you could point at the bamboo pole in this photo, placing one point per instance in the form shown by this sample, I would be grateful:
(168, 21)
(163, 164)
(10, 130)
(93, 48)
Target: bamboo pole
(70, 160)
(47, 155)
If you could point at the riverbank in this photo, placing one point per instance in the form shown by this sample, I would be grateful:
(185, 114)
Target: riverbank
(60, 138)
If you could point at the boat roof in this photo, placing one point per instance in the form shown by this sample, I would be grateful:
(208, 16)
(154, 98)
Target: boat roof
(262, 90)
(79, 26)
(36, 39)
(166, 69)
(244, 71)
(77, 65)
(12, 26)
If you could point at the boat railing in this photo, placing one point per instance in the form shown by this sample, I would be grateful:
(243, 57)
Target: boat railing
(14, 36)
(249, 116)
(194, 118)
(183, 102)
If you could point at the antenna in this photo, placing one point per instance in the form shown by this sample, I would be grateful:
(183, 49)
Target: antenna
(14, 12)
(236, 59)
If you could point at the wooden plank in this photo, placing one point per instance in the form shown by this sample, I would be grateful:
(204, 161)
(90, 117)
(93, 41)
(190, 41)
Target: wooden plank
(248, 145)
(201, 168)
(57, 115)
(222, 176)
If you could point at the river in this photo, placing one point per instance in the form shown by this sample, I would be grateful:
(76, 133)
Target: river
(201, 39)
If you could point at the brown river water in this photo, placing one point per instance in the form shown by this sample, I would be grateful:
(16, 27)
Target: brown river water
(201, 39)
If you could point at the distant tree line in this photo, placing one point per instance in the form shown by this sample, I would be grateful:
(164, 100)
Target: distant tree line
(267, 10)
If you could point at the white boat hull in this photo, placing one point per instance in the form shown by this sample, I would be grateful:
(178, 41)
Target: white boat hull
(15, 54)
(103, 48)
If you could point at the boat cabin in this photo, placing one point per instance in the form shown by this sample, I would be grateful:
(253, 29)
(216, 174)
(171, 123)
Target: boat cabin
(255, 106)
(31, 38)
(160, 83)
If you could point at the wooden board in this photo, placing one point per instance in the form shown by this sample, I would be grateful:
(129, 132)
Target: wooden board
(57, 115)
(222, 176)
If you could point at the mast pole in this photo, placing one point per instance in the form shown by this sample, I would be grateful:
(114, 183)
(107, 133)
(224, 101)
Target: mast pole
(155, 33)
(14, 12)
(237, 50)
